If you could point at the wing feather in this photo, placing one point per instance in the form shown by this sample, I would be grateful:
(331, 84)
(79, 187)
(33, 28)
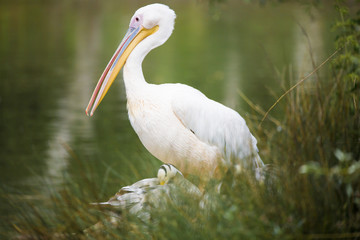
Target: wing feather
(215, 124)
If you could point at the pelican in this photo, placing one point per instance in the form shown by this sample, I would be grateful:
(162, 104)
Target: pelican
(176, 123)
(141, 197)
(134, 197)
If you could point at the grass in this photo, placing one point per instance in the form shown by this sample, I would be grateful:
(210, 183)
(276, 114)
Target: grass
(313, 194)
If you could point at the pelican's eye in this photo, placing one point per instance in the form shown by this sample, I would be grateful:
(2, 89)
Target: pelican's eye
(137, 19)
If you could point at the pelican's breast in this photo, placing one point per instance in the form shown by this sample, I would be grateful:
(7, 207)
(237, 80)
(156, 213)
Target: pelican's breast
(164, 136)
(151, 120)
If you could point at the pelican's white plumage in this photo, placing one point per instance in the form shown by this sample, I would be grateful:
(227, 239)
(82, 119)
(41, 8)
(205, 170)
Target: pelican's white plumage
(140, 198)
(175, 122)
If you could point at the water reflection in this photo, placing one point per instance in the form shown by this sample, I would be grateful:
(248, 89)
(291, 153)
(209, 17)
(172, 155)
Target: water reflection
(233, 80)
(70, 122)
(308, 42)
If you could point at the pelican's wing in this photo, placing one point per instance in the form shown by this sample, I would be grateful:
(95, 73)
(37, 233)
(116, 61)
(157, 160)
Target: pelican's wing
(215, 124)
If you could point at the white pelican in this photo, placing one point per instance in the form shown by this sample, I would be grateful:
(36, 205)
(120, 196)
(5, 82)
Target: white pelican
(176, 123)
(141, 197)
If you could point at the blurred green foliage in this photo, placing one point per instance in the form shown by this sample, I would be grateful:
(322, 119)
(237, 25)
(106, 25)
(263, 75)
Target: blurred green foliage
(348, 38)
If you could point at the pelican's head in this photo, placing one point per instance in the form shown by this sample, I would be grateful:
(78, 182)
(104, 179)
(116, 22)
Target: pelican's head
(166, 173)
(150, 27)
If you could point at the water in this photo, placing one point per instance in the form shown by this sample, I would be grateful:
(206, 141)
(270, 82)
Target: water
(53, 52)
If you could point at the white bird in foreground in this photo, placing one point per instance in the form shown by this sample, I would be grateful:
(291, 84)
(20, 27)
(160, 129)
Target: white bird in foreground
(176, 123)
(141, 197)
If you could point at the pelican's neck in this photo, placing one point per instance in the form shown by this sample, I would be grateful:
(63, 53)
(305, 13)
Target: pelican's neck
(133, 76)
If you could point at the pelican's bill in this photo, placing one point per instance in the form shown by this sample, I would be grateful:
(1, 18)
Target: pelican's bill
(132, 38)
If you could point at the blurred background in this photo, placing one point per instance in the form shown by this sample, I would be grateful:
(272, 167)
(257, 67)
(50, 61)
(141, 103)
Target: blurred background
(53, 52)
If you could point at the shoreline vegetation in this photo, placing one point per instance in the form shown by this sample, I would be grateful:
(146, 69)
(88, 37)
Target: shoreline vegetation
(314, 193)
